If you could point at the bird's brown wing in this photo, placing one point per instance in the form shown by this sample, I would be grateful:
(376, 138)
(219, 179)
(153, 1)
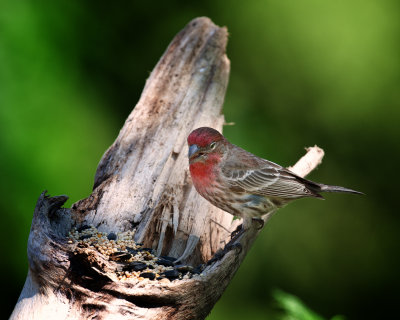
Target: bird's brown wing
(268, 179)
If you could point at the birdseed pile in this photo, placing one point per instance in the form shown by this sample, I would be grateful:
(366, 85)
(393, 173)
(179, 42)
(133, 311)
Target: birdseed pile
(133, 260)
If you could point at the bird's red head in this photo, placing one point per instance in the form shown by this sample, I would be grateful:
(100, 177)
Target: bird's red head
(203, 142)
(204, 136)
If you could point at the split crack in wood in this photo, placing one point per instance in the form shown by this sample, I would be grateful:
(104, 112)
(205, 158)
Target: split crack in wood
(142, 181)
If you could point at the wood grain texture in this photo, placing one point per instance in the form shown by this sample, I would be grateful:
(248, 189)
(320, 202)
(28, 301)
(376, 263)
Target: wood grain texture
(142, 183)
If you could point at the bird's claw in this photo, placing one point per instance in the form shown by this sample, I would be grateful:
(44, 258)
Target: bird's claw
(231, 245)
(237, 233)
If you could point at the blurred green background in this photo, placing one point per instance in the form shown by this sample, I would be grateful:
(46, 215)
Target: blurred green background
(303, 72)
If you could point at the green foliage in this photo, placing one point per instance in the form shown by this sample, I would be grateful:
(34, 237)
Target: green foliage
(295, 309)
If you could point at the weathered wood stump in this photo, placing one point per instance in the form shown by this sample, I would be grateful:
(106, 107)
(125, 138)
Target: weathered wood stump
(142, 183)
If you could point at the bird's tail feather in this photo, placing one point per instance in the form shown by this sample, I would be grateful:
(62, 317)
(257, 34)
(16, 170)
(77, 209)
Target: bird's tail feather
(328, 188)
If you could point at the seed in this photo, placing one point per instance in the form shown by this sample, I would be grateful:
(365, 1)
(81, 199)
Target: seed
(171, 274)
(183, 268)
(149, 275)
(120, 256)
(135, 266)
(131, 250)
(165, 262)
(112, 236)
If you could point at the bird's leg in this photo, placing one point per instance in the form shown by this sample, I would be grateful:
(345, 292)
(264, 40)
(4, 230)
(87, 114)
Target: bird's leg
(240, 230)
(231, 245)
(246, 225)
(235, 235)
(247, 222)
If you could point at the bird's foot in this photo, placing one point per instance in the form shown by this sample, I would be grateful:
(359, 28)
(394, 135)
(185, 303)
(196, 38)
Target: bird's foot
(231, 245)
(237, 233)
(260, 222)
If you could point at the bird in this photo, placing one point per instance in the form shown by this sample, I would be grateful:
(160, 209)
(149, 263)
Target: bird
(241, 183)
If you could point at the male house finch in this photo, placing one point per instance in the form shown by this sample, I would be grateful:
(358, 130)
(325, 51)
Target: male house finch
(241, 183)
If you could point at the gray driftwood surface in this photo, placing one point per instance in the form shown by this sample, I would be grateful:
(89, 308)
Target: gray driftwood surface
(143, 182)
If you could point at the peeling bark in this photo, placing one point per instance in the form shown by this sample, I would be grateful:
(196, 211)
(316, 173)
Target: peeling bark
(142, 183)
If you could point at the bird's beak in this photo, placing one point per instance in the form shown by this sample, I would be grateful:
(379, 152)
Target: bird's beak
(193, 149)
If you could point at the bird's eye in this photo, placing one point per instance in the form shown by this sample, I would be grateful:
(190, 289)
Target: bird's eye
(213, 145)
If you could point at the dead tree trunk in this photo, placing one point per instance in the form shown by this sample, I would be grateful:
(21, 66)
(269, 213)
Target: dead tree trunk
(142, 184)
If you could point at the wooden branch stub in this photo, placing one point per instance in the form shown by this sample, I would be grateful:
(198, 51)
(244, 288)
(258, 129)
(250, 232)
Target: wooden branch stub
(142, 184)
(308, 162)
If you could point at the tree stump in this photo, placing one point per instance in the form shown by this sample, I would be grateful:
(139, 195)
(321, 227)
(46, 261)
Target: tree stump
(142, 184)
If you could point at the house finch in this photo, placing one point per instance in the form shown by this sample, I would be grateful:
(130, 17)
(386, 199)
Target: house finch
(241, 183)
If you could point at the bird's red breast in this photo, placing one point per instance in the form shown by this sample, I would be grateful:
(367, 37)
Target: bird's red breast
(204, 172)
